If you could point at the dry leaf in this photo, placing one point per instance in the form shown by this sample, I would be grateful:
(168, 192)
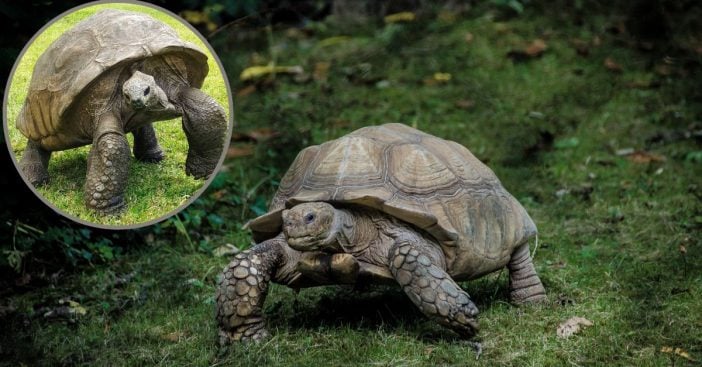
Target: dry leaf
(243, 92)
(596, 41)
(581, 47)
(465, 103)
(612, 65)
(447, 16)
(572, 326)
(174, 336)
(682, 249)
(262, 134)
(257, 72)
(219, 194)
(643, 157)
(536, 48)
(405, 16)
(240, 151)
(442, 77)
(331, 41)
(469, 37)
(321, 71)
(226, 250)
(23, 280)
(677, 351)
(257, 135)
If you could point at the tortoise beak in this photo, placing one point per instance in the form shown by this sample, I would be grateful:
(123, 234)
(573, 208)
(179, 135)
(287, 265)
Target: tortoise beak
(137, 104)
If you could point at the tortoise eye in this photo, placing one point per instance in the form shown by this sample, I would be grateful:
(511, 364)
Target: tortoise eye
(147, 90)
(309, 218)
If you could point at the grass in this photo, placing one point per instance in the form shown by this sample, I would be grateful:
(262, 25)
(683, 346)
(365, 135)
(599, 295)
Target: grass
(148, 199)
(619, 239)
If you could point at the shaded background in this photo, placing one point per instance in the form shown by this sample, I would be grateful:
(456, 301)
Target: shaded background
(657, 27)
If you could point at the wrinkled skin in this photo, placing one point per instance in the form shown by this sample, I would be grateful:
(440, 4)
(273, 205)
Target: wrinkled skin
(321, 244)
(128, 100)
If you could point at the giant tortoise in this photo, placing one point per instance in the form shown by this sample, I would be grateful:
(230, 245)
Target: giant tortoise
(114, 73)
(383, 204)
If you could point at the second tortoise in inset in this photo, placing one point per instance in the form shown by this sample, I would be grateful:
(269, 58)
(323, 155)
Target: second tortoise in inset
(383, 204)
(115, 73)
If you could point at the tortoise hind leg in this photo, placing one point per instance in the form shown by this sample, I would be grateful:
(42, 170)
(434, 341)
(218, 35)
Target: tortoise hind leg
(108, 170)
(146, 148)
(35, 163)
(524, 284)
(431, 289)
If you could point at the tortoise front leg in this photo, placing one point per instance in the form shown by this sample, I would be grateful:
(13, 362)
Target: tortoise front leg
(243, 285)
(524, 284)
(430, 288)
(35, 163)
(146, 148)
(205, 125)
(108, 170)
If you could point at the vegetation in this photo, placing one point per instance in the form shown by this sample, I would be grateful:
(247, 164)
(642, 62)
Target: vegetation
(147, 196)
(594, 130)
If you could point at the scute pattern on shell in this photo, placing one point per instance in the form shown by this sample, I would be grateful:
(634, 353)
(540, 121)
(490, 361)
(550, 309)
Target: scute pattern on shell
(80, 55)
(434, 184)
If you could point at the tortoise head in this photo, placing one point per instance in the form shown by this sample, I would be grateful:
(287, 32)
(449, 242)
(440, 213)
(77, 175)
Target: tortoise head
(311, 227)
(142, 93)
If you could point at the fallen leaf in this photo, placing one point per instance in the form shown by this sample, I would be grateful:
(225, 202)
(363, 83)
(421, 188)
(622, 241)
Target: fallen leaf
(682, 249)
(405, 16)
(262, 134)
(624, 151)
(465, 103)
(469, 37)
(442, 77)
(677, 351)
(612, 65)
(572, 326)
(243, 92)
(536, 48)
(225, 250)
(175, 336)
(23, 280)
(219, 194)
(596, 41)
(257, 72)
(257, 135)
(295, 33)
(240, 151)
(76, 308)
(581, 47)
(321, 71)
(331, 41)
(643, 157)
(447, 16)
(663, 69)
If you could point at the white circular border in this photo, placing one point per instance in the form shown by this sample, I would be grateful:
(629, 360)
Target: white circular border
(187, 202)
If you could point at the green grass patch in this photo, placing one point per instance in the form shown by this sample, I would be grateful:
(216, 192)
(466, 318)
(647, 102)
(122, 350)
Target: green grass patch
(153, 190)
(619, 239)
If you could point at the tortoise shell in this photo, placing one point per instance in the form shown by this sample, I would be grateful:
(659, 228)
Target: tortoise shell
(434, 184)
(110, 38)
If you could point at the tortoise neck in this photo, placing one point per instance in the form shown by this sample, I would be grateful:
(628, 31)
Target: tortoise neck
(357, 230)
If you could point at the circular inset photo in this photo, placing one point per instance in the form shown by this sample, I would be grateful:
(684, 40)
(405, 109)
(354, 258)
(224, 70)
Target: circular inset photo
(117, 115)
